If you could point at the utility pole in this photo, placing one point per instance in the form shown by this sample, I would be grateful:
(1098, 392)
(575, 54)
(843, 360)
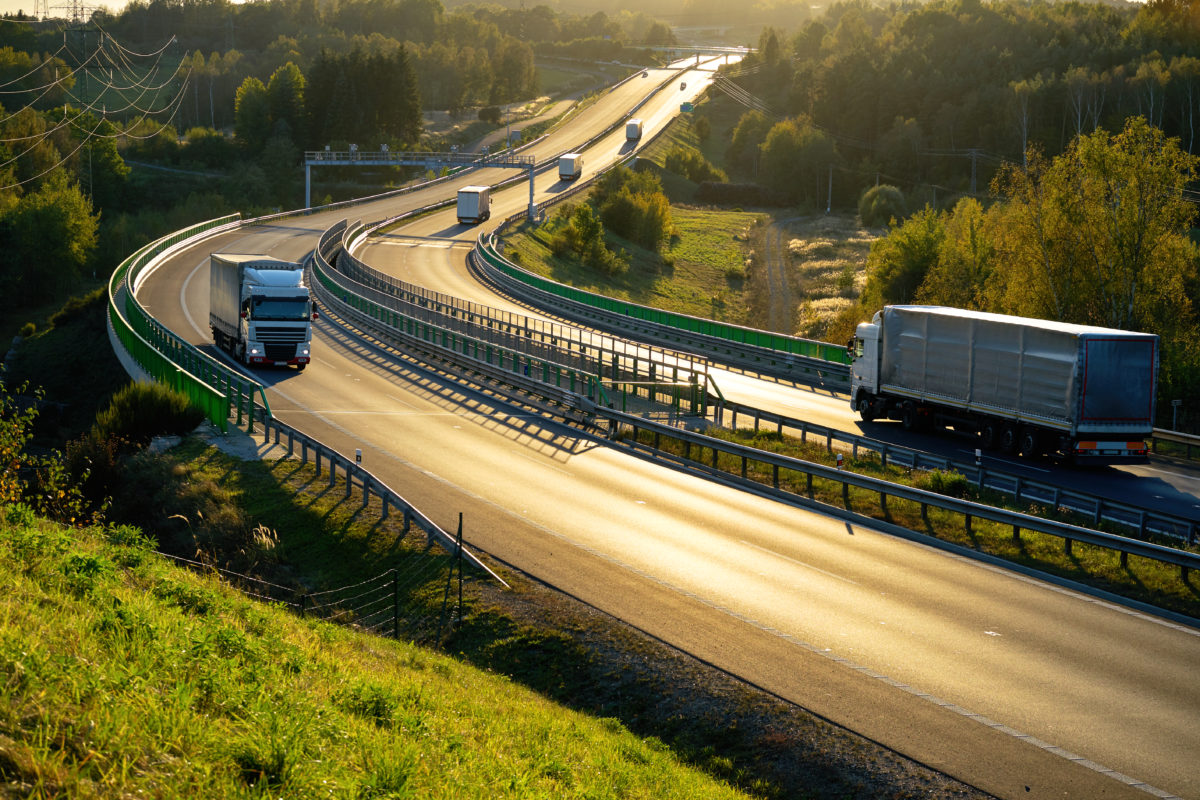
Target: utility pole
(829, 196)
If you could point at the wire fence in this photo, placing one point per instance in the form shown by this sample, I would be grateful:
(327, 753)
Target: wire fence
(420, 599)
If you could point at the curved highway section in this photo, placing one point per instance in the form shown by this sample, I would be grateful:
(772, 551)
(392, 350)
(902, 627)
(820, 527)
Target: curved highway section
(1006, 682)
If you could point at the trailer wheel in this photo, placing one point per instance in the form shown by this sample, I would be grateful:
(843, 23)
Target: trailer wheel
(908, 417)
(866, 408)
(1031, 444)
(1008, 439)
(988, 436)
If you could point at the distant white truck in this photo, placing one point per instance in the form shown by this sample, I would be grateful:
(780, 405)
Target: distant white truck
(633, 130)
(570, 166)
(474, 204)
(260, 310)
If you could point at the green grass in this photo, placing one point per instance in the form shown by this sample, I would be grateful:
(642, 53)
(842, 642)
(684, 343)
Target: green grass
(121, 675)
(1141, 579)
(701, 271)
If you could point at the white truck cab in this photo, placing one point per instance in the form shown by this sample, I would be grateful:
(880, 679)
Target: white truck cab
(864, 368)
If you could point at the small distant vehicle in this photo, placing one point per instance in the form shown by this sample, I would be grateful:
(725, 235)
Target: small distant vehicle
(570, 166)
(474, 204)
(633, 130)
(645, 74)
(682, 85)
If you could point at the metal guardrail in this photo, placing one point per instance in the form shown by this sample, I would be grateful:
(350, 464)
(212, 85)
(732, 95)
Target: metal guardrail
(164, 356)
(569, 346)
(1186, 439)
(762, 351)
(155, 356)
(622, 424)
(1097, 507)
(280, 433)
(574, 389)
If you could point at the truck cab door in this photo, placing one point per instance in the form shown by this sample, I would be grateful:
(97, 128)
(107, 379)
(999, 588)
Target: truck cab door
(864, 369)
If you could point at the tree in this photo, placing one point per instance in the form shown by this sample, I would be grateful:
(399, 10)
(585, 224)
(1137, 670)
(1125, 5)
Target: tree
(898, 263)
(966, 259)
(1099, 227)
(285, 100)
(795, 156)
(47, 240)
(750, 132)
(252, 120)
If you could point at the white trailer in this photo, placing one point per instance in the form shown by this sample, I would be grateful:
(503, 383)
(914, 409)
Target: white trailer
(570, 166)
(1078, 392)
(474, 204)
(633, 130)
(259, 309)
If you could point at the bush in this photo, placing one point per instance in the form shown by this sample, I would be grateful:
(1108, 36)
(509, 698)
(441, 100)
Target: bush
(692, 164)
(881, 204)
(490, 114)
(141, 411)
(947, 482)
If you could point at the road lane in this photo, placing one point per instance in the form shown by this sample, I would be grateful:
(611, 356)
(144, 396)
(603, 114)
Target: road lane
(829, 616)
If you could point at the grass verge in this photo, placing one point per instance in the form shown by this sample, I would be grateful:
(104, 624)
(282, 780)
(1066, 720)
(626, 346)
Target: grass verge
(702, 270)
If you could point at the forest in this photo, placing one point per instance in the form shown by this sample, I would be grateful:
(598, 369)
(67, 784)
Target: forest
(171, 111)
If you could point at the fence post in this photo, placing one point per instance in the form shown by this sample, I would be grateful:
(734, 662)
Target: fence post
(395, 603)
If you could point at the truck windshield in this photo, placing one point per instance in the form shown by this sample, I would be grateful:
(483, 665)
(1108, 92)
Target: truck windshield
(291, 309)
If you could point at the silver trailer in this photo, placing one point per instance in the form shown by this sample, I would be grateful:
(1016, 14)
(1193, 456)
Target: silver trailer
(1023, 385)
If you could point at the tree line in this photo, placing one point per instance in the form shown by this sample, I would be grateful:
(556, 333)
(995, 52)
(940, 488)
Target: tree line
(939, 95)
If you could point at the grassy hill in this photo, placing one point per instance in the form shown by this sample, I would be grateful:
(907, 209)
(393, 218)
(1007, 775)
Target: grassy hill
(121, 675)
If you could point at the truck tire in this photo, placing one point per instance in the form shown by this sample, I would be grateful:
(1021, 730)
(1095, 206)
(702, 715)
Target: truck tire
(908, 417)
(866, 408)
(989, 436)
(300, 367)
(1008, 439)
(1030, 442)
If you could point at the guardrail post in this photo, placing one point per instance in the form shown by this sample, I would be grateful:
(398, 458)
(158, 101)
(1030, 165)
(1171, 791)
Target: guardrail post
(883, 505)
(1016, 533)
(1124, 559)
(333, 470)
(775, 475)
(846, 495)
(1067, 546)
(967, 522)
(808, 484)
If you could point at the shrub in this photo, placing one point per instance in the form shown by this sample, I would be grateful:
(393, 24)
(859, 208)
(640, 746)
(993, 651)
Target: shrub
(947, 482)
(141, 411)
(881, 204)
(490, 114)
(28, 329)
(692, 164)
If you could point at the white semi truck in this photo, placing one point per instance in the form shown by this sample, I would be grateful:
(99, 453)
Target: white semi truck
(474, 204)
(260, 310)
(570, 166)
(1080, 393)
(633, 130)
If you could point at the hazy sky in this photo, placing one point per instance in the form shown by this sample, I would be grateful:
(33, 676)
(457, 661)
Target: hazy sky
(58, 8)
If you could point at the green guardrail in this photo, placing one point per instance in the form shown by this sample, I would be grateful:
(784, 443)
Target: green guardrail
(217, 390)
(723, 330)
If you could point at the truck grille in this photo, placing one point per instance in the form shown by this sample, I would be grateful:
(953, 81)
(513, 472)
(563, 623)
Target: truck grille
(280, 352)
(274, 335)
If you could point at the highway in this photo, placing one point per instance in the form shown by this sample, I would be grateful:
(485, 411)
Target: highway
(1006, 682)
